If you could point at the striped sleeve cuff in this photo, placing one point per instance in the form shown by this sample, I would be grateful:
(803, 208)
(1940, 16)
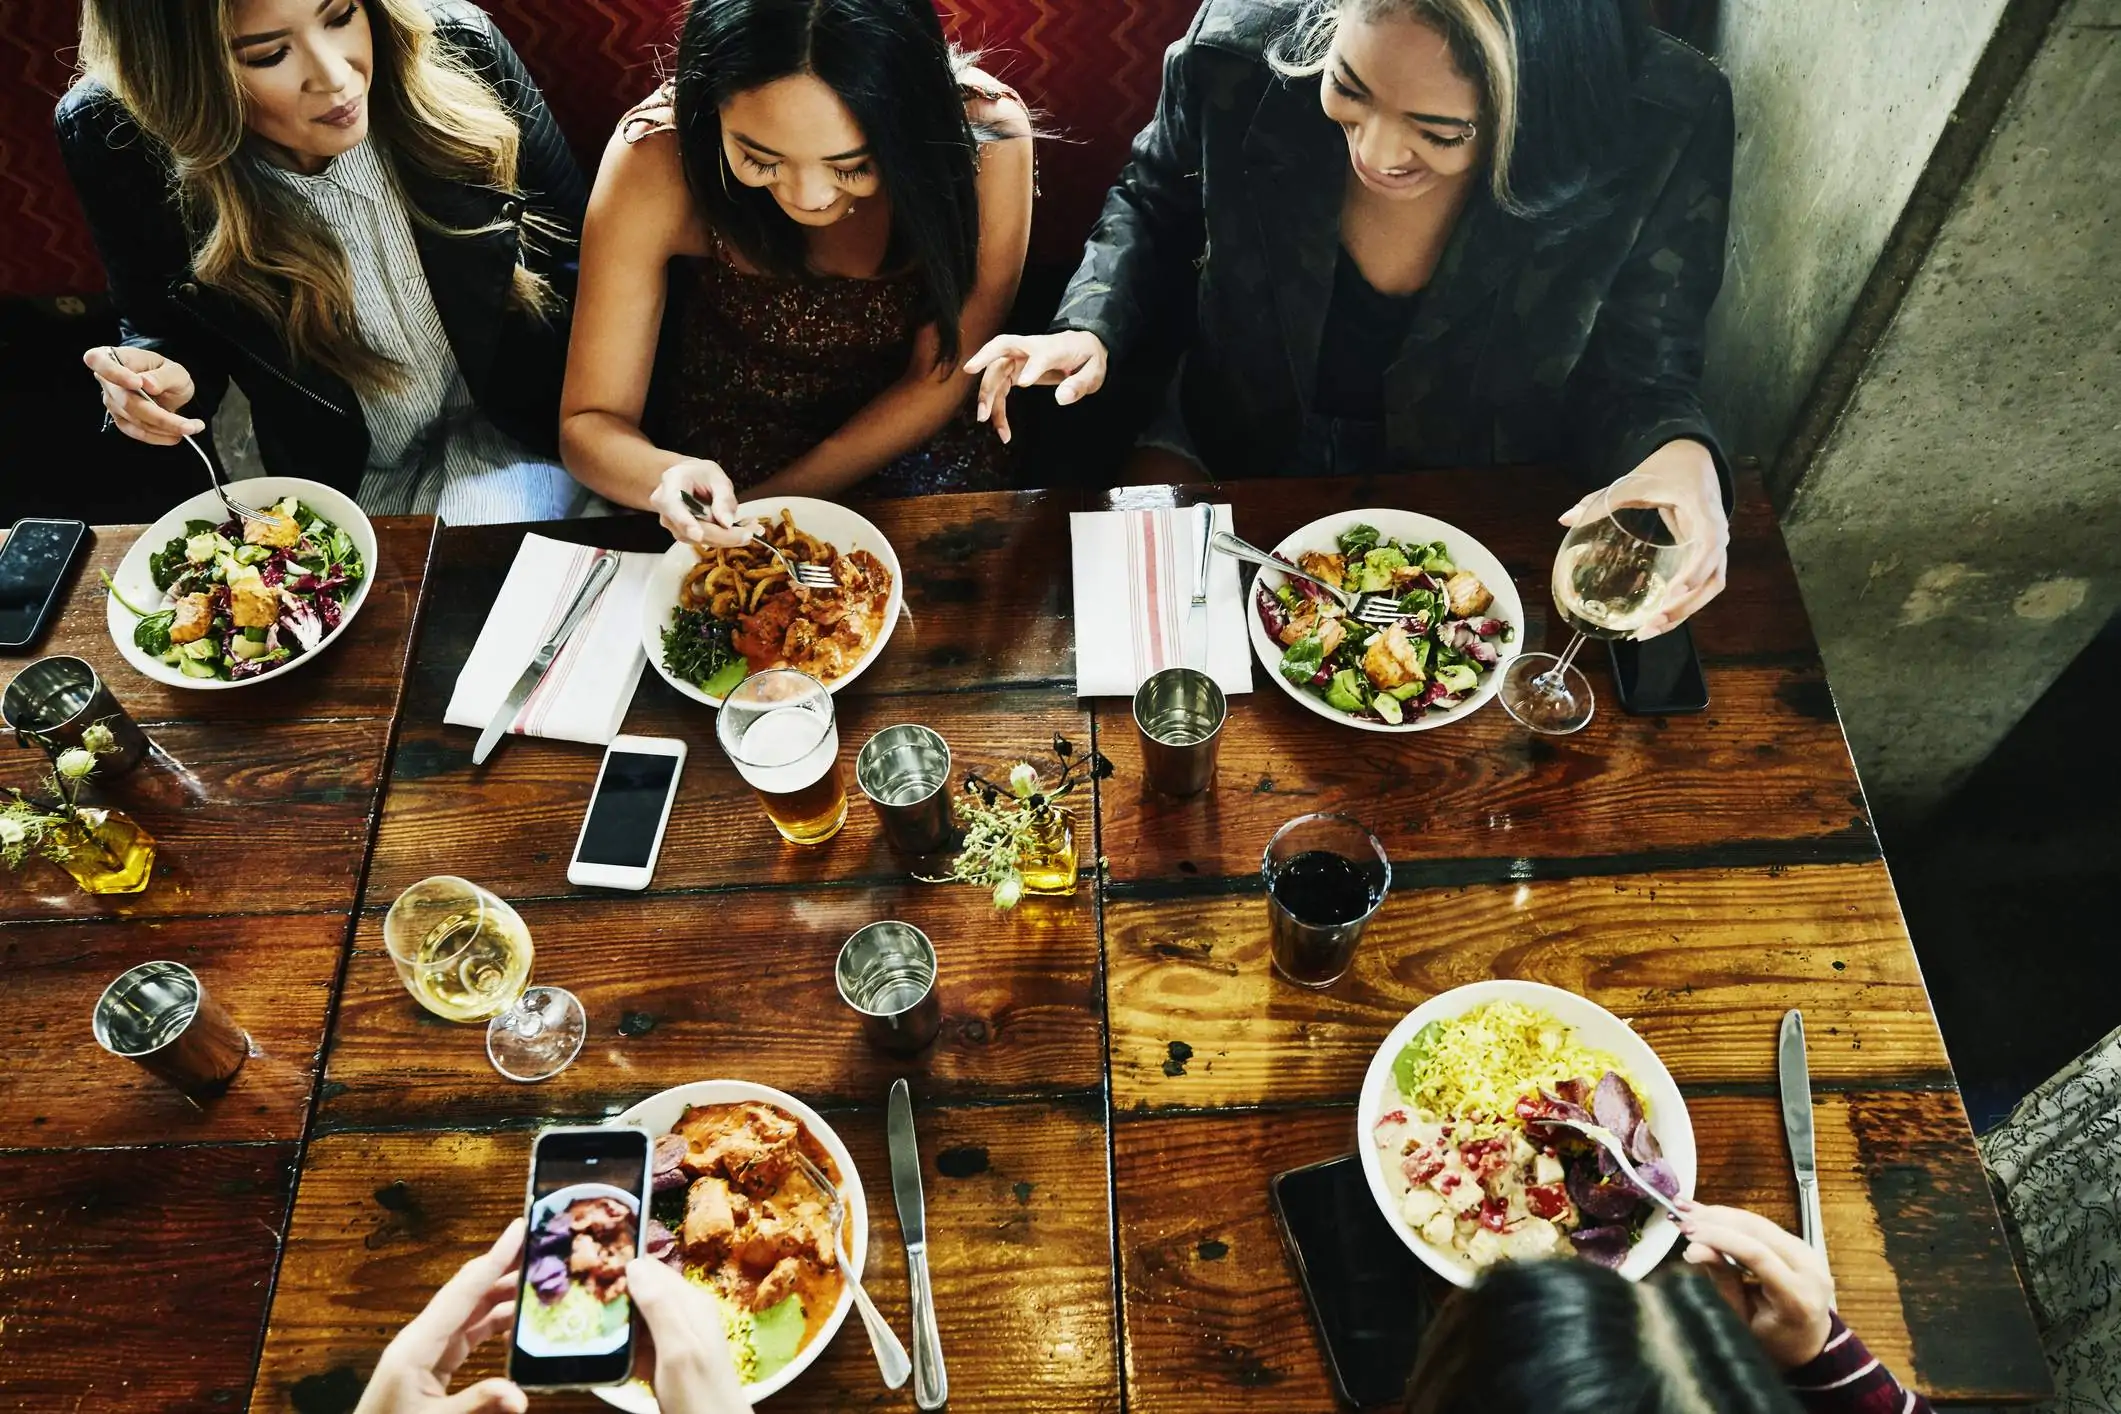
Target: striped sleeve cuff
(1845, 1378)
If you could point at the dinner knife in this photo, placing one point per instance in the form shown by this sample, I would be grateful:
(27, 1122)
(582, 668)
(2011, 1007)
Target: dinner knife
(601, 569)
(931, 1385)
(1193, 645)
(1796, 1079)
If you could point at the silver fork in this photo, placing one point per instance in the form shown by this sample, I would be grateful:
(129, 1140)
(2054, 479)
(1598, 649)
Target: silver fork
(891, 1358)
(1607, 1140)
(804, 572)
(236, 509)
(1376, 610)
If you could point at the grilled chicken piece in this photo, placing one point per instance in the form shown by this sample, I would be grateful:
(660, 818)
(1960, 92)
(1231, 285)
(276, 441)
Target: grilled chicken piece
(710, 1222)
(1315, 617)
(195, 615)
(1333, 569)
(1390, 661)
(253, 603)
(274, 529)
(1466, 595)
(779, 1283)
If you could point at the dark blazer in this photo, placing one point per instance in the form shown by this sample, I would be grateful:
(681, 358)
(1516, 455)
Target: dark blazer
(308, 420)
(1574, 338)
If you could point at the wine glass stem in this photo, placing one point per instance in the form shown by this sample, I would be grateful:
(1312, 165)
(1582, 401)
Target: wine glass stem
(1557, 676)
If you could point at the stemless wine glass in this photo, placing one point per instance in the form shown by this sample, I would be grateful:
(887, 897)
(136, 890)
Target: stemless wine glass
(1612, 574)
(465, 956)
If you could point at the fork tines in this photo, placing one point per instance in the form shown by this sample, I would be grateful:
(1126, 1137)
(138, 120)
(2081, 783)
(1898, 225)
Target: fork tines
(1379, 610)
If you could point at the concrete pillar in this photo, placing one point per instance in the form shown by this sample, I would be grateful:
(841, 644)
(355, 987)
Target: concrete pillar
(1958, 531)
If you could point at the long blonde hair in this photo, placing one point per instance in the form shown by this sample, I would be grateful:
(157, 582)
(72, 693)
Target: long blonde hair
(168, 62)
(1483, 44)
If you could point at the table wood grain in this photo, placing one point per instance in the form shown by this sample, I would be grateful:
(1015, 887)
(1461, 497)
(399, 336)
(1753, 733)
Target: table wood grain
(1017, 1200)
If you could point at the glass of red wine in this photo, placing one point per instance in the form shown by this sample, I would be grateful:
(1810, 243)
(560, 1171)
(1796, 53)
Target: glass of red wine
(1326, 875)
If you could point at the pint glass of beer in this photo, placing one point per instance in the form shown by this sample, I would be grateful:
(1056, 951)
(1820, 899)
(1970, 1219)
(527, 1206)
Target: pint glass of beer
(777, 726)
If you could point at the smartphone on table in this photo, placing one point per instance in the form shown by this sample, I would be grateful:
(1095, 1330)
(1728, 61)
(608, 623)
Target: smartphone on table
(623, 832)
(1369, 1296)
(574, 1320)
(1659, 676)
(34, 561)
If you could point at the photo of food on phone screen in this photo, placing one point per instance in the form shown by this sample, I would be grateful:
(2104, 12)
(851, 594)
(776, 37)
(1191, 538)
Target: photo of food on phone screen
(584, 1227)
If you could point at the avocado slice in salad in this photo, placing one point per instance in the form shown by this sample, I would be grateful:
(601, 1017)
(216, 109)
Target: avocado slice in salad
(1388, 707)
(1458, 677)
(1374, 570)
(1345, 691)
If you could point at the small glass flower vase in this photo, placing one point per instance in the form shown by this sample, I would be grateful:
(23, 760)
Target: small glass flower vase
(1046, 858)
(108, 853)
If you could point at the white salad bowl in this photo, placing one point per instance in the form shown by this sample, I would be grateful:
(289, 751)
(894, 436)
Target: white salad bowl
(844, 530)
(137, 583)
(1414, 528)
(1596, 1028)
(658, 1113)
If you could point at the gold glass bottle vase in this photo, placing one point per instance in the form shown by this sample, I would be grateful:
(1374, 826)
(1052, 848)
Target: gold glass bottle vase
(1046, 856)
(106, 851)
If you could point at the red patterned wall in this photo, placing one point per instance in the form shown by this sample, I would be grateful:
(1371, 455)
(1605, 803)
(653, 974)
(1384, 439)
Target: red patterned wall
(1091, 66)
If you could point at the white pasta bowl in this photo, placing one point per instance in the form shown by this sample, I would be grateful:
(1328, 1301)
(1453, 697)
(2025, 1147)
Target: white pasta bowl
(1596, 1028)
(657, 1114)
(846, 531)
(137, 583)
(1408, 527)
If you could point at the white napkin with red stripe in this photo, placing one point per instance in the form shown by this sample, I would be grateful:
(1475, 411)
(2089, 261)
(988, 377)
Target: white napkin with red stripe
(585, 693)
(1134, 575)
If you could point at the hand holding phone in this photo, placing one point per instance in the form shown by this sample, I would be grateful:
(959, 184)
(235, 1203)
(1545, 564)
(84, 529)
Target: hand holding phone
(628, 812)
(473, 1306)
(574, 1324)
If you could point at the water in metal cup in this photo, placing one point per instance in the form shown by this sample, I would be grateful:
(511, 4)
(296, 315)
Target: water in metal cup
(1180, 712)
(905, 772)
(1326, 877)
(54, 700)
(159, 1015)
(886, 971)
(778, 729)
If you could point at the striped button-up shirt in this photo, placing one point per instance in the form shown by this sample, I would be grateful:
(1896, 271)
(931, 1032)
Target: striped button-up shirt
(430, 450)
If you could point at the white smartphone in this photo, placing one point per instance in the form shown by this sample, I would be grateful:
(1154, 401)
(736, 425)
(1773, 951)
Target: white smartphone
(623, 832)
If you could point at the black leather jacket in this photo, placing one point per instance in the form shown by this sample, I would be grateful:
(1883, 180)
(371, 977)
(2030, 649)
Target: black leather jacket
(1575, 339)
(308, 420)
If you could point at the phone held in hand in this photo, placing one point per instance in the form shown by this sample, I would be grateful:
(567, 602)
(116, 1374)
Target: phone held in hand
(1657, 677)
(628, 812)
(1369, 1295)
(34, 562)
(574, 1320)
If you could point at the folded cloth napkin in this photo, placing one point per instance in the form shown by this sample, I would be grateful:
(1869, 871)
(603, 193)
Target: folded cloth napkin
(584, 694)
(1133, 591)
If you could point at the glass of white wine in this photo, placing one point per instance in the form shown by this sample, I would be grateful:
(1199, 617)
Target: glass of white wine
(465, 956)
(1613, 573)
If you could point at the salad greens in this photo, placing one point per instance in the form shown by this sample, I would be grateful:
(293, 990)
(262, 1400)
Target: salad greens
(700, 648)
(1428, 660)
(241, 597)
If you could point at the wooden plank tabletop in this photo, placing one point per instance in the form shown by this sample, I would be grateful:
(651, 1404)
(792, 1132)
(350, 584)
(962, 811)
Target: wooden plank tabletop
(141, 1228)
(1118, 1074)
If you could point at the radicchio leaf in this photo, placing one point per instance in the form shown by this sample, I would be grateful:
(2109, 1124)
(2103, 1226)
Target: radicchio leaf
(1608, 1246)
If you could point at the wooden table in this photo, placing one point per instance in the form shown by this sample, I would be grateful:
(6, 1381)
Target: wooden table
(1118, 1075)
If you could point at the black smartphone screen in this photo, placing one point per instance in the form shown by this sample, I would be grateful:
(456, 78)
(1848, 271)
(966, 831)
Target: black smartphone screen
(574, 1320)
(627, 809)
(1660, 675)
(33, 563)
(1367, 1292)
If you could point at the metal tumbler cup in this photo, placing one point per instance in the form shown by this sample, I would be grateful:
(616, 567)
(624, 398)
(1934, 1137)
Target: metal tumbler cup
(905, 772)
(161, 1016)
(54, 700)
(1180, 712)
(886, 971)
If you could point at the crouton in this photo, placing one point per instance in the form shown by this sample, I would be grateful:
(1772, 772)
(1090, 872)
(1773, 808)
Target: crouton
(1333, 569)
(1466, 595)
(1392, 660)
(272, 528)
(253, 603)
(195, 616)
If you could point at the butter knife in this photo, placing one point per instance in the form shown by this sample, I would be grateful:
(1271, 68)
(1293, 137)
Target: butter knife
(601, 569)
(931, 1385)
(1796, 1077)
(1193, 645)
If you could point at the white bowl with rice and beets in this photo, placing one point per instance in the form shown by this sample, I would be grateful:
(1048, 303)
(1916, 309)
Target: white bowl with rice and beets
(1594, 1028)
